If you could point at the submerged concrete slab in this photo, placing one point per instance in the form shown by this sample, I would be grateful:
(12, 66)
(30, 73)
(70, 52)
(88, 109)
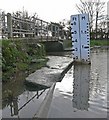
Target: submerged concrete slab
(57, 66)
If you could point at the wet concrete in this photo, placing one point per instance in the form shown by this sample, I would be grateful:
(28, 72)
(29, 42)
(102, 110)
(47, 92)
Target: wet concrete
(55, 70)
(45, 106)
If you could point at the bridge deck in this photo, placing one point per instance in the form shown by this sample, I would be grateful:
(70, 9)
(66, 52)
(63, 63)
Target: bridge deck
(37, 39)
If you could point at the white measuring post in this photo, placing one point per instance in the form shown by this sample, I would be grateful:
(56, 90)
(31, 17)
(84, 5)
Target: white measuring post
(80, 38)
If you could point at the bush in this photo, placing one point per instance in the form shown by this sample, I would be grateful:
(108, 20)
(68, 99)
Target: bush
(12, 55)
(17, 56)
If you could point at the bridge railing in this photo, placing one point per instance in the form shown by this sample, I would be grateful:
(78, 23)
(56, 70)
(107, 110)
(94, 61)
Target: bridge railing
(34, 28)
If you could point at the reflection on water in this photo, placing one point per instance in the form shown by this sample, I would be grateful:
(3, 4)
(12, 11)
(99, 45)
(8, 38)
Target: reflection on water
(81, 94)
(14, 106)
(24, 105)
(83, 91)
(0, 98)
(81, 86)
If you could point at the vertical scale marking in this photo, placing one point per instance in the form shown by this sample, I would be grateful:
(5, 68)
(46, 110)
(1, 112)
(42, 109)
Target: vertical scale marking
(80, 37)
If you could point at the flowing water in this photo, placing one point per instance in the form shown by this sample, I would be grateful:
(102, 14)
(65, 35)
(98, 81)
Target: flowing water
(81, 93)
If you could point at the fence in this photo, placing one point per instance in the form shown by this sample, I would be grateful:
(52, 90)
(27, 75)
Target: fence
(19, 27)
(1, 24)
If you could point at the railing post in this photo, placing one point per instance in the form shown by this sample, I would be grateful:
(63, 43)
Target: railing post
(9, 25)
(41, 29)
(34, 28)
(0, 24)
(58, 32)
(47, 31)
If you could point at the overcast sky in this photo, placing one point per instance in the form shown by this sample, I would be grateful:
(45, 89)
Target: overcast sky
(49, 10)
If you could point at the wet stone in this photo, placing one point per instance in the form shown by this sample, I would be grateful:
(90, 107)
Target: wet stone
(48, 75)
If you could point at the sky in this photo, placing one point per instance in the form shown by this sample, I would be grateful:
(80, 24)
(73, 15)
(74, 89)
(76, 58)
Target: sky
(48, 10)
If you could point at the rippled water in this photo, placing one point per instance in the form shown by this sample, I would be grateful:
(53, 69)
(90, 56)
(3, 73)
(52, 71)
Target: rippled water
(83, 91)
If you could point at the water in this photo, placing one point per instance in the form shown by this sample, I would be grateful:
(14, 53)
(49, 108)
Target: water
(20, 100)
(0, 100)
(25, 105)
(81, 93)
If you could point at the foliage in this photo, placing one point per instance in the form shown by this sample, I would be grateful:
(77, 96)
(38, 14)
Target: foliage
(12, 55)
(17, 56)
(36, 51)
(99, 43)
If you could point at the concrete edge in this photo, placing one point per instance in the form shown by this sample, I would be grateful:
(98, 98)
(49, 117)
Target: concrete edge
(66, 69)
(44, 107)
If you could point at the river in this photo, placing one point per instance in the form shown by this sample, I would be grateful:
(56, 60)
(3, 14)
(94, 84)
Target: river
(82, 93)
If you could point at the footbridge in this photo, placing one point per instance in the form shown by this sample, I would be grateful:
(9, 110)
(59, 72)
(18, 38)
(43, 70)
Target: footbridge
(32, 30)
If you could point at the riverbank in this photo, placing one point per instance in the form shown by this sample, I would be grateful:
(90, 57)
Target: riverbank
(18, 56)
(99, 43)
(68, 43)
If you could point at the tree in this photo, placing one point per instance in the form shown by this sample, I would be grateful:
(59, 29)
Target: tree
(95, 11)
(99, 13)
(87, 7)
(26, 23)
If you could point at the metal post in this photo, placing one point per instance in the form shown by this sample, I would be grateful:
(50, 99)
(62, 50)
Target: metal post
(9, 25)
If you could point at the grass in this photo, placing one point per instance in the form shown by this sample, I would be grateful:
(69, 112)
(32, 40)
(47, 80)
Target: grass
(68, 43)
(99, 43)
(0, 43)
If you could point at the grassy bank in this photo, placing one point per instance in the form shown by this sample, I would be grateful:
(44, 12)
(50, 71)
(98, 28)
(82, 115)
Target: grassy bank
(17, 56)
(99, 43)
(68, 43)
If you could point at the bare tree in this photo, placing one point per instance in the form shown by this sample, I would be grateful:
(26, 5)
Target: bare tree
(95, 11)
(87, 7)
(99, 13)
